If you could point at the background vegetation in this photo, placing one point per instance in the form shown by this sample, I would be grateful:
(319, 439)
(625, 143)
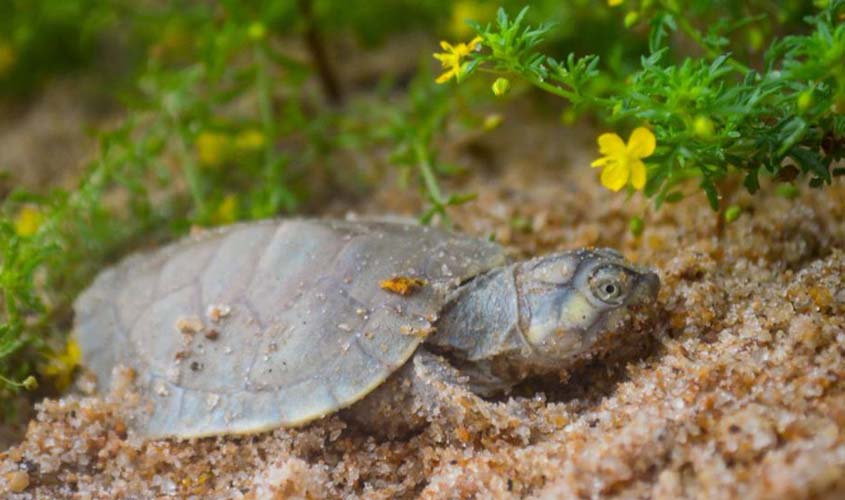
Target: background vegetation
(244, 110)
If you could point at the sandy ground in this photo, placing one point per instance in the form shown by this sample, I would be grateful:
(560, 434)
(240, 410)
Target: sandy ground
(741, 394)
(45, 140)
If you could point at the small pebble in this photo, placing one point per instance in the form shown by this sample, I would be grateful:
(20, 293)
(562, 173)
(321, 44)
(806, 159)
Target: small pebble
(216, 312)
(189, 325)
(18, 481)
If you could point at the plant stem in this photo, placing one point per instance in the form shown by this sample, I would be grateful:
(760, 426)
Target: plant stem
(328, 79)
(191, 175)
(10, 383)
(552, 89)
(695, 36)
(265, 105)
(565, 94)
(427, 173)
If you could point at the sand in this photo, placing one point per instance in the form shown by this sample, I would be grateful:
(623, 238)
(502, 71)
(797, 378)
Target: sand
(741, 392)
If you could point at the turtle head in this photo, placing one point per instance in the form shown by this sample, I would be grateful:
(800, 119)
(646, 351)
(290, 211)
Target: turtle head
(577, 304)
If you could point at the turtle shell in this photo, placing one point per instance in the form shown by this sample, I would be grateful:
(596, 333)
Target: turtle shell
(273, 323)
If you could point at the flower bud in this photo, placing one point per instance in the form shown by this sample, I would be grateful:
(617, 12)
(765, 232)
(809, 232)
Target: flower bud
(569, 116)
(30, 383)
(491, 121)
(636, 225)
(501, 86)
(732, 213)
(256, 31)
(703, 127)
(805, 100)
(617, 108)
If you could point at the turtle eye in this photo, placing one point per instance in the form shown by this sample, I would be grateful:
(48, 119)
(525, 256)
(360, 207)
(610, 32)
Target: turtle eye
(609, 291)
(609, 285)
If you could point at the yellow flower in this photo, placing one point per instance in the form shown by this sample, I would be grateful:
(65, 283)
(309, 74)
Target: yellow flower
(7, 57)
(451, 59)
(227, 210)
(614, 3)
(60, 365)
(250, 140)
(468, 9)
(211, 148)
(623, 163)
(28, 221)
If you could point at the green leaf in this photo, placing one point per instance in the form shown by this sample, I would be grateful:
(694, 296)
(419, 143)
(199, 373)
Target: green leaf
(751, 182)
(712, 195)
(658, 33)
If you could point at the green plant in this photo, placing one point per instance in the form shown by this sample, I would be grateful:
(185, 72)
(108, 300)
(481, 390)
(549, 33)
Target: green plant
(177, 160)
(712, 115)
(411, 129)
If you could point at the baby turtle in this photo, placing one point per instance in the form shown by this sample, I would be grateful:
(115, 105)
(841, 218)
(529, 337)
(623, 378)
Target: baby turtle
(277, 323)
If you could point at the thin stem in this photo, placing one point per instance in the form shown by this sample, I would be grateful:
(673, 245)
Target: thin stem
(695, 36)
(572, 97)
(552, 89)
(265, 104)
(11, 383)
(314, 41)
(427, 173)
(191, 175)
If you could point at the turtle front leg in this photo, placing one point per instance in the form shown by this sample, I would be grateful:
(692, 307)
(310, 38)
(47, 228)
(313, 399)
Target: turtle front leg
(392, 410)
(427, 390)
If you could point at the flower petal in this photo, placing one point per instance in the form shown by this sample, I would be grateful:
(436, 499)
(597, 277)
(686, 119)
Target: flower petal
(601, 161)
(445, 77)
(611, 144)
(446, 46)
(474, 42)
(641, 143)
(615, 176)
(637, 174)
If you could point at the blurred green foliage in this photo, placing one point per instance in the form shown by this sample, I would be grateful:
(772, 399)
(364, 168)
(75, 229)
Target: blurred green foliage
(42, 39)
(244, 110)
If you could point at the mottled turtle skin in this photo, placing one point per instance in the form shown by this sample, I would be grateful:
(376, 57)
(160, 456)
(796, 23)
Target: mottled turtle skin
(277, 323)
